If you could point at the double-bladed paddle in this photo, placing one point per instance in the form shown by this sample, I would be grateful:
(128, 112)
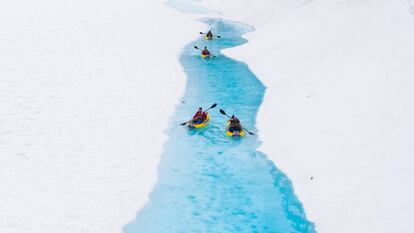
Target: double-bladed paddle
(224, 113)
(202, 33)
(202, 50)
(212, 106)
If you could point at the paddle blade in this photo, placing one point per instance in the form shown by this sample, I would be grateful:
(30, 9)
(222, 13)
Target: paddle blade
(248, 131)
(201, 33)
(196, 47)
(218, 36)
(184, 123)
(222, 112)
(214, 105)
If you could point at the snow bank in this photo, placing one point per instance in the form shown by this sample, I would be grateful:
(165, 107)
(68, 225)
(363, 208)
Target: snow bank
(338, 106)
(86, 89)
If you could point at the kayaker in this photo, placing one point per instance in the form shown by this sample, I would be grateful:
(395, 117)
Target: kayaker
(205, 52)
(235, 124)
(209, 34)
(199, 116)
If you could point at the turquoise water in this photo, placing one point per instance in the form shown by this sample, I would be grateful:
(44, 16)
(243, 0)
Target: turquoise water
(186, 6)
(207, 181)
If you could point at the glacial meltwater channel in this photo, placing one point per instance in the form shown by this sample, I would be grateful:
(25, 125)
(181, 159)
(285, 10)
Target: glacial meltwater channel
(209, 182)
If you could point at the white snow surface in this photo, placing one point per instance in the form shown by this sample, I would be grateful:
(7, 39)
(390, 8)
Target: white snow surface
(86, 90)
(338, 105)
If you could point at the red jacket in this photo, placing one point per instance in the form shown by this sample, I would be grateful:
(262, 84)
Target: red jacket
(199, 114)
(205, 52)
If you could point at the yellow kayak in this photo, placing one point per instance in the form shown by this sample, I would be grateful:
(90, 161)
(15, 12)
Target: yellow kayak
(205, 56)
(201, 125)
(208, 38)
(240, 133)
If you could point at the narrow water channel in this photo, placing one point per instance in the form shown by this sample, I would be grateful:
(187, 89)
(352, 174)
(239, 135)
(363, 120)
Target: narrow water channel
(209, 182)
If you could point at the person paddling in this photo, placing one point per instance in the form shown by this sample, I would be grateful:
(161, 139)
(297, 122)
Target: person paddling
(199, 116)
(205, 52)
(234, 124)
(209, 34)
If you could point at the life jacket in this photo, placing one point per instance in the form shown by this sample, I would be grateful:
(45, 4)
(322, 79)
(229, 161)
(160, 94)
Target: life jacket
(205, 52)
(198, 114)
(234, 123)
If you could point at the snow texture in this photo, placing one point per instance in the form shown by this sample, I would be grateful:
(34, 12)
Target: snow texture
(86, 90)
(338, 112)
